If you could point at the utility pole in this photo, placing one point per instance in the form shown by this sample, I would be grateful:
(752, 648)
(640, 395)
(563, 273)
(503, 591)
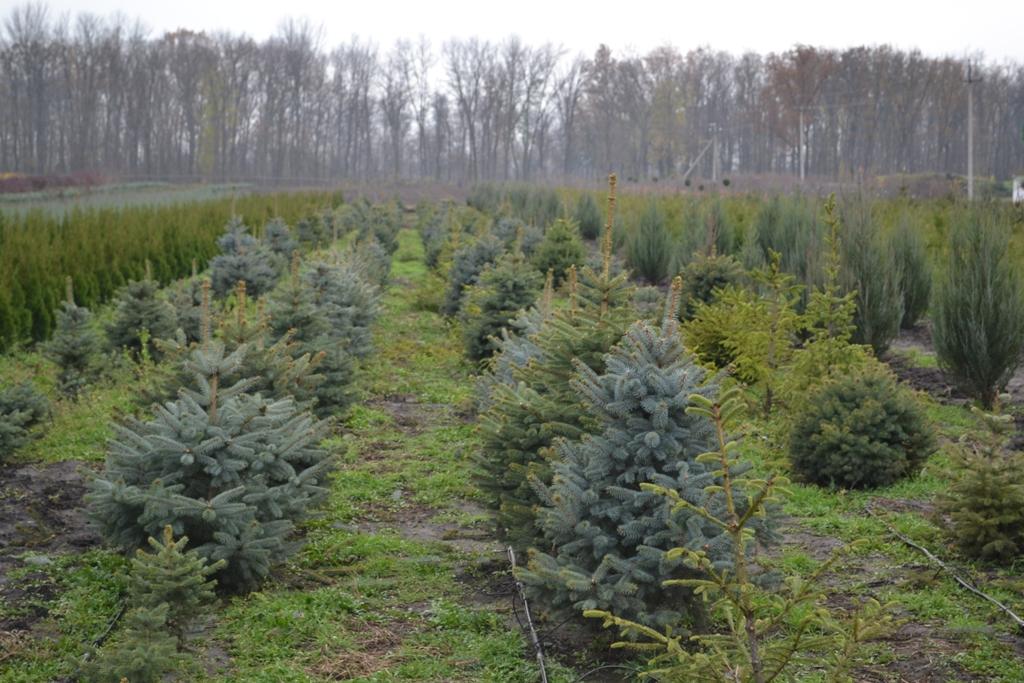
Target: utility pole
(802, 172)
(714, 153)
(971, 80)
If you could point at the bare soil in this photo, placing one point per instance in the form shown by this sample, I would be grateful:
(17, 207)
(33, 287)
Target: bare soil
(42, 516)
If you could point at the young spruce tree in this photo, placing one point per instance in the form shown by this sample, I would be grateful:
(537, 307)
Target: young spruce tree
(242, 258)
(230, 469)
(767, 632)
(504, 289)
(610, 536)
(144, 651)
(21, 409)
(560, 249)
(74, 346)
(526, 414)
(173, 576)
(140, 313)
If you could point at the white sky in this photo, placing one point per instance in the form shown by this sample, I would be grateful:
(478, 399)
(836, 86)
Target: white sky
(937, 27)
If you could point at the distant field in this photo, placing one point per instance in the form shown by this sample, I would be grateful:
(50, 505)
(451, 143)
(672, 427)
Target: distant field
(119, 195)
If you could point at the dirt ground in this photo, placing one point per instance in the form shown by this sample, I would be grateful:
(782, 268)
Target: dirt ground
(42, 516)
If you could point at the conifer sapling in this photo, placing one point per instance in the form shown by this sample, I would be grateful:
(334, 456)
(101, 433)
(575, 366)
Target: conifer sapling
(74, 346)
(767, 632)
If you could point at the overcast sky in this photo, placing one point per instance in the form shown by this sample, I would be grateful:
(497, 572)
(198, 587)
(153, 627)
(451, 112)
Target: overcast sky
(937, 27)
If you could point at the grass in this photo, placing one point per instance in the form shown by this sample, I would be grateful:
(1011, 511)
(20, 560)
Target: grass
(388, 585)
(82, 593)
(377, 593)
(374, 595)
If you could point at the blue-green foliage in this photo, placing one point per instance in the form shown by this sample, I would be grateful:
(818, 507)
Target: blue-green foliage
(278, 238)
(515, 232)
(74, 347)
(230, 469)
(141, 313)
(609, 537)
(467, 264)
(21, 408)
(243, 259)
(347, 303)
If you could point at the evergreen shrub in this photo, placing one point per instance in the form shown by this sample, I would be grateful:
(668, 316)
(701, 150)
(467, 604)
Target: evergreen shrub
(978, 312)
(869, 268)
(914, 272)
(704, 276)
(649, 252)
(141, 313)
(504, 289)
(560, 249)
(231, 469)
(75, 348)
(609, 535)
(588, 217)
(21, 409)
(983, 510)
(243, 259)
(861, 431)
(467, 264)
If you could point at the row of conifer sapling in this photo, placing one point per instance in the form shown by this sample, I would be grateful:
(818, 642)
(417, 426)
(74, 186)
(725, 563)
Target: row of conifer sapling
(230, 459)
(609, 451)
(147, 321)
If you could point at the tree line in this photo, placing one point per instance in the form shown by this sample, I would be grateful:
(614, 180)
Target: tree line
(88, 93)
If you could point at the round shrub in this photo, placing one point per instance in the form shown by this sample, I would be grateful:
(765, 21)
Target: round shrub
(560, 249)
(703, 276)
(860, 432)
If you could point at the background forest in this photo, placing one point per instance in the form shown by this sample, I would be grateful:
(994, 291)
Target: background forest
(86, 93)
